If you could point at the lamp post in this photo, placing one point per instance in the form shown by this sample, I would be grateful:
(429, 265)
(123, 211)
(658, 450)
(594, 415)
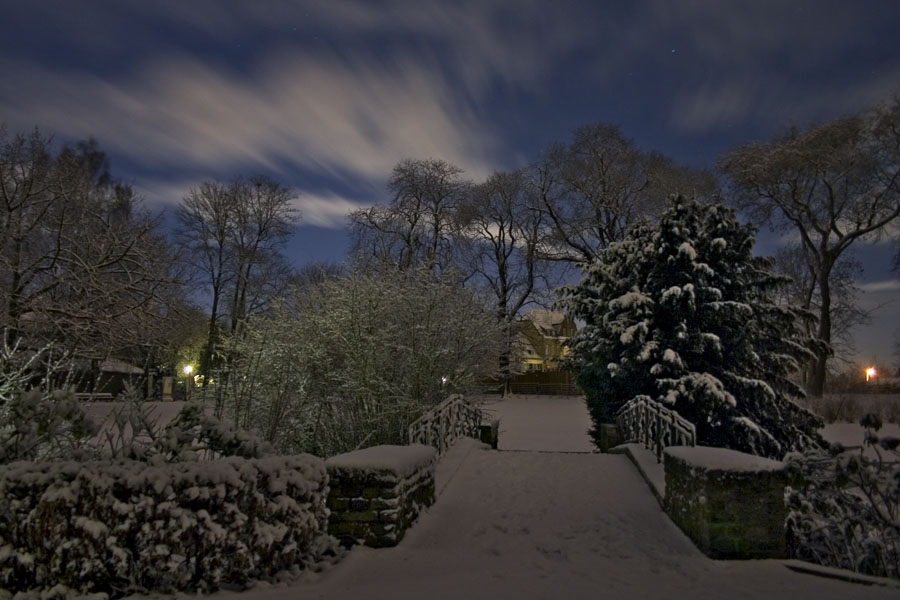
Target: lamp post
(188, 369)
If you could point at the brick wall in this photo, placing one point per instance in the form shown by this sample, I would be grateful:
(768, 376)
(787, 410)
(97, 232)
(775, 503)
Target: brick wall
(376, 493)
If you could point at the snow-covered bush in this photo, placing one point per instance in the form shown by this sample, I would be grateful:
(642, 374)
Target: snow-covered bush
(194, 434)
(36, 421)
(39, 425)
(682, 312)
(122, 526)
(846, 512)
(352, 361)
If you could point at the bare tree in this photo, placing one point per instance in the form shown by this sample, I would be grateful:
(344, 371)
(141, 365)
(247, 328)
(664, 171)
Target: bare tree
(803, 291)
(204, 224)
(263, 221)
(500, 239)
(595, 188)
(315, 273)
(415, 228)
(80, 264)
(233, 233)
(833, 184)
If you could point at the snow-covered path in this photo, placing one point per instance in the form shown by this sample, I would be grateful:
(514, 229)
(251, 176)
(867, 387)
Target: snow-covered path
(542, 423)
(544, 524)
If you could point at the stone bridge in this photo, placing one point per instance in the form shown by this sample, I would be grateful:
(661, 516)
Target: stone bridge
(545, 517)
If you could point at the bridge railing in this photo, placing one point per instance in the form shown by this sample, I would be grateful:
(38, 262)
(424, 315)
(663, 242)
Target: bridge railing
(441, 426)
(646, 421)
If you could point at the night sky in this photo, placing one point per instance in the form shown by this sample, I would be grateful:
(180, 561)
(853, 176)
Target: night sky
(328, 96)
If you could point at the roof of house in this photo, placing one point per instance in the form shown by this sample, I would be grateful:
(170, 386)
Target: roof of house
(547, 322)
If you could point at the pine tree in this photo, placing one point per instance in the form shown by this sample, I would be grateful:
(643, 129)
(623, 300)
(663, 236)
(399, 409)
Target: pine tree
(682, 312)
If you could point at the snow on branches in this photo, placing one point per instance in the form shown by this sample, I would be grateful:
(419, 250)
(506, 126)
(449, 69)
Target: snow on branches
(119, 527)
(846, 512)
(682, 311)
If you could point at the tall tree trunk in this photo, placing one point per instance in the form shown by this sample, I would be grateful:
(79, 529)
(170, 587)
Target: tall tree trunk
(504, 371)
(206, 360)
(816, 386)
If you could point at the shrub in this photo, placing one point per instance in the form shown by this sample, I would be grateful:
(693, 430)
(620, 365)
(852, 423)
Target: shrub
(847, 511)
(350, 362)
(122, 526)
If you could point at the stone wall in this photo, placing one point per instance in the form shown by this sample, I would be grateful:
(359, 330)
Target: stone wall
(609, 436)
(490, 434)
(729, 503)
(376, 493)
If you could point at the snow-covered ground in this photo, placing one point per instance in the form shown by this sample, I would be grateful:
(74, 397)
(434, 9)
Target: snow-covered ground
(541, 423)
(849, 408)
(101, 412)
(851, 434)
(548, 523)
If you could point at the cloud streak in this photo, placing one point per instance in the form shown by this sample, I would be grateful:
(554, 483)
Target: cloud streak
(329, 211)
(300, 110)
(888, 285)
(771, 62)
(355, 118)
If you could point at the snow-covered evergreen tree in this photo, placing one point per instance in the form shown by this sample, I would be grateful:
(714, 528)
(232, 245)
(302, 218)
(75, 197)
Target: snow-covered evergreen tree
(682, 312)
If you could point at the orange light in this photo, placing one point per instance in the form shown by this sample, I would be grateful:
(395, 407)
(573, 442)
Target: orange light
(871, 373)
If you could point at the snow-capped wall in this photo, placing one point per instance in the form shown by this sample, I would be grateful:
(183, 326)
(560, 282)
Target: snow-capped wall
(377, 493)
(730, 503)
(122, 526)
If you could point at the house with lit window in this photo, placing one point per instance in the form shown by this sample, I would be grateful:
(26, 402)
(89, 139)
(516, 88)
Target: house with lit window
(541, 339)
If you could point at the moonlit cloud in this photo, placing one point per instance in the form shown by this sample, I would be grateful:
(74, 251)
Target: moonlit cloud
(889, 285)
(354, 118)
(769, 62)
(325, 210)
(712, 107)
(296, 110)
(329, 210)
(297, 106)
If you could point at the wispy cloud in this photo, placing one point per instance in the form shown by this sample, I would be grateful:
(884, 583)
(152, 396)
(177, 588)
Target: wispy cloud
(888, 285)
(353, 117)
(771, 63)
(325, 210)
(713, 106)
(294, 107)
(321, 209)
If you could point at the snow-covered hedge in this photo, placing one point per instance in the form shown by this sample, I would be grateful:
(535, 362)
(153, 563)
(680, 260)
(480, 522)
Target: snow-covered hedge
(122, 526)
(846, 513)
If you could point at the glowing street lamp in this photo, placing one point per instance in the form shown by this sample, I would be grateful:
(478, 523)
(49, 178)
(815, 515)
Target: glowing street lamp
(188, 369)
(871, 373)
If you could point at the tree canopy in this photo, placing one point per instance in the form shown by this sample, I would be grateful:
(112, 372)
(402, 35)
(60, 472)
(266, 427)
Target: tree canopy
(81, 265)
(833, 184)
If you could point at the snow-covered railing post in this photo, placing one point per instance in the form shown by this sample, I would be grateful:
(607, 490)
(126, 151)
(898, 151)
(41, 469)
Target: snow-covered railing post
(649, 422)
(453, 418)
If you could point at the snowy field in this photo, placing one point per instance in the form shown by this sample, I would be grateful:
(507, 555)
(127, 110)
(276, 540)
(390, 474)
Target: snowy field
(101, 412)
(851, 434)
(851, 407)
(549, 520)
